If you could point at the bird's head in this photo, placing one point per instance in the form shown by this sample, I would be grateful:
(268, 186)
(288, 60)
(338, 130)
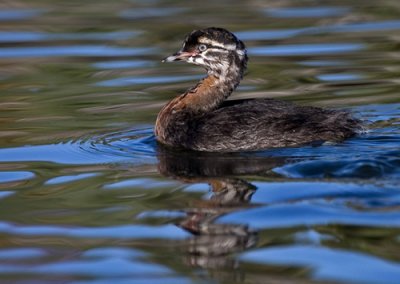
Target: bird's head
(216, 49)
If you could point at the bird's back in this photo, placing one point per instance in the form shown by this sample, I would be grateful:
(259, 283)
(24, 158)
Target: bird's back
(265, 123)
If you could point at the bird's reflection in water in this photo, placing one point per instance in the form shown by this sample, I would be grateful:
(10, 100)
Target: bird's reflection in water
(212, 242)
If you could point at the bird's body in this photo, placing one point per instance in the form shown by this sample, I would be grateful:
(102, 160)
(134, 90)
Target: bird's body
(202, 120)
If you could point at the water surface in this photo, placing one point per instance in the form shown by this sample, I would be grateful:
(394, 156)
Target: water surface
(87, 195)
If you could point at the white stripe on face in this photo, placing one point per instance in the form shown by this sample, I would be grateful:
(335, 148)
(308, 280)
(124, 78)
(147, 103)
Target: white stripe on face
(216, 43)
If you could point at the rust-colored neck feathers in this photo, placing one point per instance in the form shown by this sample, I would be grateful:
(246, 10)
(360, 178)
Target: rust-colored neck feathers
(175, 117)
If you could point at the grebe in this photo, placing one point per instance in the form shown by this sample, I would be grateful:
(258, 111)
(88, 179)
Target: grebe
(200, 120)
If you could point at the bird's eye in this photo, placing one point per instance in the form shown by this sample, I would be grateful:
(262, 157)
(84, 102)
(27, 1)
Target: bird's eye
(202, 47)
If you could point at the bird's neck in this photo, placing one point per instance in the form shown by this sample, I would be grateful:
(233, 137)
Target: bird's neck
(205, 97)
(211, 91)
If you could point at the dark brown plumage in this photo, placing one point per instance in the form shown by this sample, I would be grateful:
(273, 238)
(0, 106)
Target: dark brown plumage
(201, 120)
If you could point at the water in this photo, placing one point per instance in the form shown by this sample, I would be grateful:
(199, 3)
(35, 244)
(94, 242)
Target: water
(87, 196)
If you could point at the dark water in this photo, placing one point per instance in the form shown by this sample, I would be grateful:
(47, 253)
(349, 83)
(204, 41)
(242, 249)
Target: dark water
(87, 197)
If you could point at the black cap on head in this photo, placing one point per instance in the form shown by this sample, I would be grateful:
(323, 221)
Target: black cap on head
(219, 36)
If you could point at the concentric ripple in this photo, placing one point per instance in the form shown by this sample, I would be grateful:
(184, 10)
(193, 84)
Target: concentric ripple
(125, 145)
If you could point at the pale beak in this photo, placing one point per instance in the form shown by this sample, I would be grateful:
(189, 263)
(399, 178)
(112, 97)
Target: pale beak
(180, 55)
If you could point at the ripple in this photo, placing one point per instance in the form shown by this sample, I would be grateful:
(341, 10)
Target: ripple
(75, 50)
(4, 194)
(381, 160)
(138, 280)
(140, 13)
(112, 267)
(20, 14)
(130, 81)
(124, 143)
(143, 183)
(324, 63)
(305, 49)
(270, 34)
(337, 77)
(135, 146)
(286, 192)
(21, 253)
(365, 27)
(307, 12)
(107, 252)
(329, 264)
(336, 28)
(25, 36)
(310, 214)
(11, 176)
(123, 64)
(70, 178)
(115, 232)
(380, 112)
(344, 168)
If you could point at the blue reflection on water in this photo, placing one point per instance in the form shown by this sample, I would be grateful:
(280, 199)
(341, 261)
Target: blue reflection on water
(112, 267)
(70, 178)
(357, 167)
(115, 232)
(135, 146)
(19, 14)
(306, 49)
(365, 27)
(129, 81)
(310, 214)
(138, 280)
(139, 13)
(57, 153)
(307, 12)
(280, 192)
(142, 182)
(73, 50)
(106, 252)
(28, 36)
(339, 77)
(336, 28)
(10, 176)
(21, 253)
(323, 63)
(326, 263)
(123, 64)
